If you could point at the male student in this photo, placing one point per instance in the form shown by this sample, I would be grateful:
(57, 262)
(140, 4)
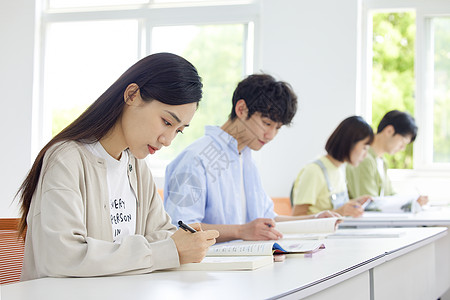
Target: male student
(214, 181)
(396, 130)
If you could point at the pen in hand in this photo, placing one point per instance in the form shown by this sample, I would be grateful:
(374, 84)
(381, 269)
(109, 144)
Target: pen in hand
(365, 204)
(186, 227)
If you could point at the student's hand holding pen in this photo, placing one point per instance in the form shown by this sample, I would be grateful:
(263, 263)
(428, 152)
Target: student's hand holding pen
(192, 246)
(422, 200)
(259, 229)
(350, 209)
(364, 200)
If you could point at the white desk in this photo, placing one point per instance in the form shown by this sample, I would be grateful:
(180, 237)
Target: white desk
(346, 269)
(435, 216)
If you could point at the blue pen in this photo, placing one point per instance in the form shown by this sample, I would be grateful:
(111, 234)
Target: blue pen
(186, 227)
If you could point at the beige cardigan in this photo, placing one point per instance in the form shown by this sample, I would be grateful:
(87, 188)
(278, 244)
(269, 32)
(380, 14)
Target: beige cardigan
(69, 228)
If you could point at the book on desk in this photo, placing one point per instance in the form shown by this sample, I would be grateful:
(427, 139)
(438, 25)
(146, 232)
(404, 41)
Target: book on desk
(250, 255)
(367, 233)
(310, 229)
(308, 226)
(394, 204)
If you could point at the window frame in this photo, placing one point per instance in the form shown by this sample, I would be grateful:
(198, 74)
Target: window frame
(423, 70)
(148, 16)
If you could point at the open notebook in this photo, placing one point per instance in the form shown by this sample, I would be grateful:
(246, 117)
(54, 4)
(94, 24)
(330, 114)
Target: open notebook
(395, 204)
(250, 255)
(367, 233)
(308, 229)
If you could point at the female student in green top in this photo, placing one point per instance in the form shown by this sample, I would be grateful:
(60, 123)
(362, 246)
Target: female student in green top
(89, 204)
(321, 185)
(396, 130)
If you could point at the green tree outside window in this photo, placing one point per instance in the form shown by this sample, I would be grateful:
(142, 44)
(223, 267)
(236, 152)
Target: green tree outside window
(393, 82)
(218, 52)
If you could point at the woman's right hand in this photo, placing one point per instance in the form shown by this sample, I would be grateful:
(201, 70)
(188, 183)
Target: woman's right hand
(192, 247)
(351, 209)
(422, 200)
(260, 229)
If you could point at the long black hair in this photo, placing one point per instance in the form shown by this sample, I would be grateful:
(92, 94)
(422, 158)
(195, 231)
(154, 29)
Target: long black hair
(164, 77)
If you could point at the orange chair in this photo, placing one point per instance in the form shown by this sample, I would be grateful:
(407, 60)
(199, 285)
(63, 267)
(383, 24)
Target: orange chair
(161, 194)
(11, 251)
(282, 206)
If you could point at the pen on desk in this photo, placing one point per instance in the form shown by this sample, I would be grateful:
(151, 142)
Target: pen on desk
(186, 227)
(364, 205)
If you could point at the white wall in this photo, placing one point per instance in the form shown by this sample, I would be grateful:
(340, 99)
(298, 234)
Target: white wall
(313, 46)
(310, 44)
(16, 80)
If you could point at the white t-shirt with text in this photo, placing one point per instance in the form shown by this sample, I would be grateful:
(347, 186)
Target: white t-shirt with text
(122, 200)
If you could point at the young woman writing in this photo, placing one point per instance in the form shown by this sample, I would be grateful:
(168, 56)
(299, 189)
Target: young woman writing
(89, 204)
(321, 185)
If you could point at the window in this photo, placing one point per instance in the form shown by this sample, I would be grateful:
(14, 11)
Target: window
(219, 66)
(440, 51)
(70, 4)
(83, 4)
(393, 81)
(82, 59)
(87, 45)
(405, 66)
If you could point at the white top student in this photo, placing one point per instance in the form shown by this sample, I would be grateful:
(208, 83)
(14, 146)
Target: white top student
(321, 184)
(214, 181)
(396, 130)
(89, 203)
